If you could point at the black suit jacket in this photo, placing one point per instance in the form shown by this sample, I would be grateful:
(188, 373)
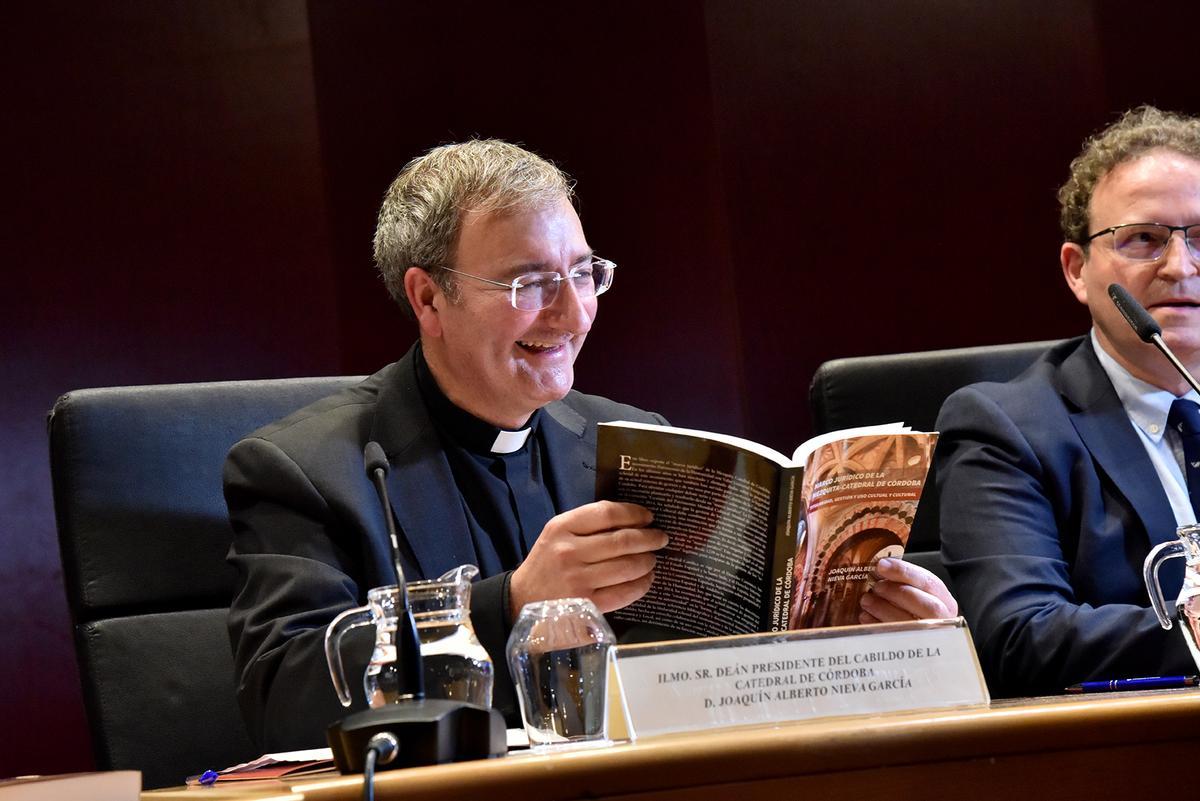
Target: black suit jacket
(310, 538)
(1049, 504)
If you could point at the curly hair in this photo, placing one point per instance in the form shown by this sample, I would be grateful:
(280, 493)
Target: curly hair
(1137, 131)
(422, 210)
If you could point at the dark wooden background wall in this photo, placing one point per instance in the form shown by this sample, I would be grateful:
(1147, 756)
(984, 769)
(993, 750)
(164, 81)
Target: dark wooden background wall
(191, 189)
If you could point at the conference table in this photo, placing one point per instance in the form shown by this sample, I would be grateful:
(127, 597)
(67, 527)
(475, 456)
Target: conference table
(1115, 745)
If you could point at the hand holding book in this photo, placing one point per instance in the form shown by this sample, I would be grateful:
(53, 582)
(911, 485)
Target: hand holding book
(602, 551)
(904, 591)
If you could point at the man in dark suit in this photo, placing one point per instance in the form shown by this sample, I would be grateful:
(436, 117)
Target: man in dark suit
(491, 453)
(1055, 485)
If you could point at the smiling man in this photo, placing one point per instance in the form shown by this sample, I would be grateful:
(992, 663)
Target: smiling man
(491, 453)
(1055, 485)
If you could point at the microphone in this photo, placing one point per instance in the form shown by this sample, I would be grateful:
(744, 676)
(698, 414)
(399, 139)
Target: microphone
(408, 679)
(414, 730)
(1138, 318)
(1147, 328)
(376, 463)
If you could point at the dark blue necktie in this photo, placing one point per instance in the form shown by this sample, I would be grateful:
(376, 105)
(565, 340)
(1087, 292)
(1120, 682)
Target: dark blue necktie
(1184, 417)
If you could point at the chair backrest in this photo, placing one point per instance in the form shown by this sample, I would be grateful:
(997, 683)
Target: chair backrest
(910, 387)
(143, 531)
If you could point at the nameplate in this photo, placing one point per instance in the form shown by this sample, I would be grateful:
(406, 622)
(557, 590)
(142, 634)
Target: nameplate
(689, 685)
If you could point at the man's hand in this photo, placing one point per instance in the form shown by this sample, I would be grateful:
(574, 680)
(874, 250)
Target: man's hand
(602, 551)
(906, 592)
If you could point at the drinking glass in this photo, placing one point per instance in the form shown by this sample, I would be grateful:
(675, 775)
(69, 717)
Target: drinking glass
(558, 654)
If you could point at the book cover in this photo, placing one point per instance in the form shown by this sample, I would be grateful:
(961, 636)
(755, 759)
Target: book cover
(730, 508)
(860, 496)
(759, 541)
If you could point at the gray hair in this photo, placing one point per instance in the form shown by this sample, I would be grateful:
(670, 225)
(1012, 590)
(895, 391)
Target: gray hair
(423, 208)
(1138, 131)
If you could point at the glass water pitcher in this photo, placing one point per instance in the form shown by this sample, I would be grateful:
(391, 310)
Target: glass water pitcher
(456, 666)
(1187, 605)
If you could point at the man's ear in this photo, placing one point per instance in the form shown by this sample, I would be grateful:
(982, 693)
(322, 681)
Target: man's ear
(1073, 261)
(426, 299)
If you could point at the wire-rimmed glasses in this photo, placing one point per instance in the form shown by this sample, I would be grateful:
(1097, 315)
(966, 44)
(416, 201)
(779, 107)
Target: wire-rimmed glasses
(536, 291)
(1149, 241)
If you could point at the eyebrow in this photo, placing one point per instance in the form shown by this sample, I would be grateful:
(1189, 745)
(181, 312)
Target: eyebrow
(541, 266)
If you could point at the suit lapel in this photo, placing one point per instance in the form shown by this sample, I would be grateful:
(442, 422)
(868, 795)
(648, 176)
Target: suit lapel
(570, 455)
(425, 502)
(1103, 425)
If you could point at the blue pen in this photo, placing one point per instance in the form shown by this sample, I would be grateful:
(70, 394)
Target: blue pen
(1147, 683)
(208, 777)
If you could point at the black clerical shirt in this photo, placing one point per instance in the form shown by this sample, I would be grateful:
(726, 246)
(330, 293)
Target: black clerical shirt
(504, 493)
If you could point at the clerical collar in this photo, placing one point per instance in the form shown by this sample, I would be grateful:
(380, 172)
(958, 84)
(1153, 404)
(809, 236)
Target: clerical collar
(461, 426)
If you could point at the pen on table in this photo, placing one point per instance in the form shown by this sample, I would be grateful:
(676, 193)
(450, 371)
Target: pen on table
(1146, 683)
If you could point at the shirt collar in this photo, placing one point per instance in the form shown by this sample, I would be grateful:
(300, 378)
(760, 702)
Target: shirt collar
(1146, 404)
(462, 427)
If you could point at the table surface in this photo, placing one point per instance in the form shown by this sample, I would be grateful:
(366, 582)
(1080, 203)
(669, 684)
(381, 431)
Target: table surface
(1109, 745)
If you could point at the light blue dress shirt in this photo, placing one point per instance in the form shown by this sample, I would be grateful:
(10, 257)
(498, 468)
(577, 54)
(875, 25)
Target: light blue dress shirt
(1148, 407)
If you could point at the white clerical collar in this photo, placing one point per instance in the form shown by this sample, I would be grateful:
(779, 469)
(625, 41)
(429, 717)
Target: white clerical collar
(510, 441)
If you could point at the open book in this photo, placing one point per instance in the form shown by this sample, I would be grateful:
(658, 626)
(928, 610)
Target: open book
(758, 541)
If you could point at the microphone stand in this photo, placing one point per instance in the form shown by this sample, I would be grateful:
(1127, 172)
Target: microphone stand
(414, 730)
(1157, 341)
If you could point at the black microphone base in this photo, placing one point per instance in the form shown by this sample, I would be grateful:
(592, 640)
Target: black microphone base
(430, 731)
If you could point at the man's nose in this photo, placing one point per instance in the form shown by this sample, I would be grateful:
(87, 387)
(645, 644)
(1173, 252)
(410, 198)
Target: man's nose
(1178, 260)
(571, 310)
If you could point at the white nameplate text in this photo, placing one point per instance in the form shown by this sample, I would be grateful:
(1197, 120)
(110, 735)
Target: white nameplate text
(689, 685)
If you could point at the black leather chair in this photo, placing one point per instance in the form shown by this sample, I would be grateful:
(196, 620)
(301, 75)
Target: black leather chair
(910, 388)
(143, 531)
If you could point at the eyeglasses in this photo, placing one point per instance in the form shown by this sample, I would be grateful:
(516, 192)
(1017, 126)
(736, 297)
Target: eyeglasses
(536, 291)
(1148, 241)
